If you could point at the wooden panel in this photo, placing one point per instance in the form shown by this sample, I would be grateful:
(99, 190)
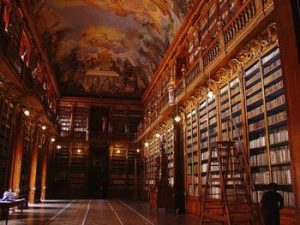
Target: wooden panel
(193, 206)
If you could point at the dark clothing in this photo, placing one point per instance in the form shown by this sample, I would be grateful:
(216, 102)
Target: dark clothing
(271, 217)
(271, 202)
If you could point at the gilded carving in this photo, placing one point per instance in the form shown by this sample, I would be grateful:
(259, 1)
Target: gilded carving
(271, 34)
(212, 84)
(199, 93)
(236, 67)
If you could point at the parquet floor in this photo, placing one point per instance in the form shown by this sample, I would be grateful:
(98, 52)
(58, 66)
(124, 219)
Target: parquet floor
(96, 212)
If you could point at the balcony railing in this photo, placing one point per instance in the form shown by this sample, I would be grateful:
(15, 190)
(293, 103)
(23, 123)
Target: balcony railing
(9, 50)
(77, 135)
(192, 74)
(248, 11)
(100, 136)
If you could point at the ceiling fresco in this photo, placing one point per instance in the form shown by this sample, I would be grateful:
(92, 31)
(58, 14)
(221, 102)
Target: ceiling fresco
(106, 48)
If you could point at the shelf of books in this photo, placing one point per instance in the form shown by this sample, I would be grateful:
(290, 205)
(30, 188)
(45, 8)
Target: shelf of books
(80, 123)
(169, 150)
(267, 126)
(192, 156)
(151, 154)
(132, 154)
(231, 111)
(65, 120)
(78, 177)
(193, 48)
(6, 120)
(26, 157)
(207, 111)
(62, 165)
(117, 168)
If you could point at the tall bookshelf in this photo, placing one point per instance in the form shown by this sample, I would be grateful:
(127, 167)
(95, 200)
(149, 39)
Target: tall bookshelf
(208, 130)
(65, 120)
(151, 154)
(62, 165)
(80, 122)
(204, 139)
(193, 47)
(78, 177)
(267, 126)
(71, 170)
(192, 154)
(118, 170)
(6, 120)
(169, 150)
(231, 110)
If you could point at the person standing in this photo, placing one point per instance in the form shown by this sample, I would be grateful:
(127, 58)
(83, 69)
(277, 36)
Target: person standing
(271, 203)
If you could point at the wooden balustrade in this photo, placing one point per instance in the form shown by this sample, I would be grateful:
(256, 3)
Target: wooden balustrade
(246, 14)
(211, 53)
(192, 74)
(98, 135)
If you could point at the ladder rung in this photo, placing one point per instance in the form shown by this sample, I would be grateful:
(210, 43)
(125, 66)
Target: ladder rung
(237, 203)
(234, 179)
(214, 200)
(236, 195)
(215, 217)
(220, 207)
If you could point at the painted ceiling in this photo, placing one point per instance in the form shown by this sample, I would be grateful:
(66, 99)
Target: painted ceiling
(106, 48)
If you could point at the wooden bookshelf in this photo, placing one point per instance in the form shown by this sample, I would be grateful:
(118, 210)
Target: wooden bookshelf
(6, 120)
(62, 166)
(259, 95)
(230, 112)
(267, 126)
(71, 170)
(65, 120)
(118, 177)
(78, 176)
(192, 154)
(80, 123)
(151, 154)
(168, 137)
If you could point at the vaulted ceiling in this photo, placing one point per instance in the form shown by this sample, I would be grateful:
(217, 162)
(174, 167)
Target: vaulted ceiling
(106, 48)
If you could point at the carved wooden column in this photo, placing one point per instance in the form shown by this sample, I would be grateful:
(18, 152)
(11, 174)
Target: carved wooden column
(289, 52)
(33, 167)
(17, 151)
(48, 147)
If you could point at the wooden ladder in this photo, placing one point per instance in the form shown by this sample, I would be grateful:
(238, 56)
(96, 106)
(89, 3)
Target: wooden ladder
(227, 197)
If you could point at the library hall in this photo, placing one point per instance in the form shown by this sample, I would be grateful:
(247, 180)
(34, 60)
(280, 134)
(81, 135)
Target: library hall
(150, 112)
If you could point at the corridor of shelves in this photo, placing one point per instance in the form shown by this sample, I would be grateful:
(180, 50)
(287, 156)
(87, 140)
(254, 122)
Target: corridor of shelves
(90, 212)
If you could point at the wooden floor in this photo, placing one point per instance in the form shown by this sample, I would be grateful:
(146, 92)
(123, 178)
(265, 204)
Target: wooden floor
(98, 212)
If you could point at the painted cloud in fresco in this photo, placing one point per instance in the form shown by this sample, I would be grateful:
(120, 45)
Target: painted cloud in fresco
(106, 47)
